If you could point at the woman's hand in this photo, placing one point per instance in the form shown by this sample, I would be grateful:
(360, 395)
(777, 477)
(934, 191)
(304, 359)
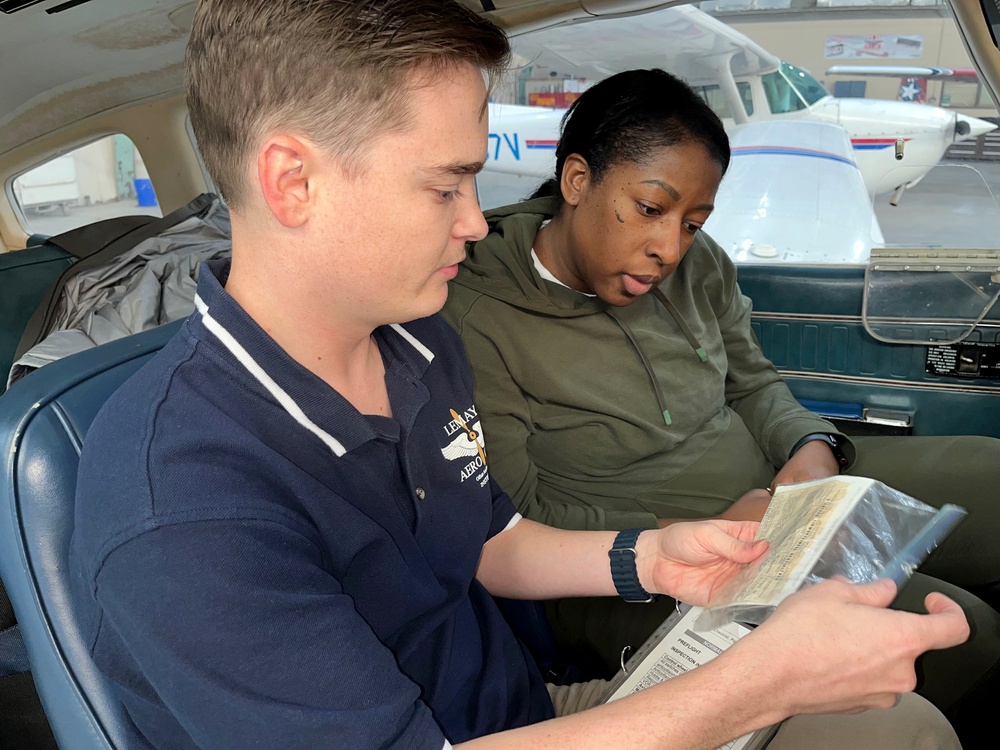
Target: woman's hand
(750, 507)
(814, 460)
(692, 561)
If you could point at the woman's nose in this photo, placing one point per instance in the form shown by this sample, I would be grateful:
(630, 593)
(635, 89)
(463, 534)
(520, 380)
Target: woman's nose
(665, 246)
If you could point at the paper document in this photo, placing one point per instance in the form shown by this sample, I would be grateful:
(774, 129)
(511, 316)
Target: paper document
(675, 648)
(799, 523)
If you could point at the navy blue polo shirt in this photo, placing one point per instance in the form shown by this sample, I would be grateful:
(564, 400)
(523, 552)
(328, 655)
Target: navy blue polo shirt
(260, 565)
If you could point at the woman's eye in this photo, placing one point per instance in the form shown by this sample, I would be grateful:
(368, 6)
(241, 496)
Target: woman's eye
(648, 210)
(691, 228)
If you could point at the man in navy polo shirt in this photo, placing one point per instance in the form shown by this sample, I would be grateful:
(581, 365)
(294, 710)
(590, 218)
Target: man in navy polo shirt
(287, 533)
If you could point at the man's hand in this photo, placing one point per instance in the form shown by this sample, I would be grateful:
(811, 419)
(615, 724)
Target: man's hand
(814, 460)
(692, 561)
(835, 648)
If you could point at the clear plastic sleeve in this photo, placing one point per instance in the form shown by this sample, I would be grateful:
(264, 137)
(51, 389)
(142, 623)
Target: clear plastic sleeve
(852, 527)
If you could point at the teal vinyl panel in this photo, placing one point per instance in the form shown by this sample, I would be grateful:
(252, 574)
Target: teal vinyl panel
(838, 360)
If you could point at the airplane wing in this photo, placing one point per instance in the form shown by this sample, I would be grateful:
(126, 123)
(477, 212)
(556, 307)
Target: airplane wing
(684, 40)
(904, 71)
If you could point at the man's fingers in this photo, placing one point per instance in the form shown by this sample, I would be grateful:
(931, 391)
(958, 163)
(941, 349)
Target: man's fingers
(877, 594)
(937, 603)
(744, 530)
(946, 624)
(723, 541)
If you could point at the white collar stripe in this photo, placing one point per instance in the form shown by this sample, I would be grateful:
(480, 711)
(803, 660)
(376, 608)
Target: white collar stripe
(427, 353)
(286, 401)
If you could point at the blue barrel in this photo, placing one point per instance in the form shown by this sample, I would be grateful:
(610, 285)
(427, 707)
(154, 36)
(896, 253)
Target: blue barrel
(144, 192)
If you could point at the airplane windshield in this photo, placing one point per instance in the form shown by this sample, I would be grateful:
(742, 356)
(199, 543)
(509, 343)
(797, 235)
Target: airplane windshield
(791, 89)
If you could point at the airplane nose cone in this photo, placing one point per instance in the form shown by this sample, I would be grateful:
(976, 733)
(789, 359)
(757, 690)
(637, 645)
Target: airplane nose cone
(968, 128)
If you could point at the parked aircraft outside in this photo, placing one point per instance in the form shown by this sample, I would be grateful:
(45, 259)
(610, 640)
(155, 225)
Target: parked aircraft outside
(895, 143)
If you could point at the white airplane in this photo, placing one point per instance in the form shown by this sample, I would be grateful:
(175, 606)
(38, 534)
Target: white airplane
(894, 143)
(793, 193)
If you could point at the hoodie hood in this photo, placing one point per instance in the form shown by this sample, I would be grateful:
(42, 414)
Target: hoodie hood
(500, 265)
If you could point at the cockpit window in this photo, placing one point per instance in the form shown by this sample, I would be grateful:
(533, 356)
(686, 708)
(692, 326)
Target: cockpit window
(813, 178)
(790, 89)
(716, 99)
(100, 180)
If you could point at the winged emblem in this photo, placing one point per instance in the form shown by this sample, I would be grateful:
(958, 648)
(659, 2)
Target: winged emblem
(467, 443)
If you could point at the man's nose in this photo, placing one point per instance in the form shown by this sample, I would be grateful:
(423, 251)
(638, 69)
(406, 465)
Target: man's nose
(470, 224)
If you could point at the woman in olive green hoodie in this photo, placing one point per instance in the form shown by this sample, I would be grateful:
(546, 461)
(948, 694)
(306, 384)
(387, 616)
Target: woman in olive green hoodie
(617, 377)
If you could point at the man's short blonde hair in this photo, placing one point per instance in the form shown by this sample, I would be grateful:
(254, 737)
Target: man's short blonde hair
(335, 71)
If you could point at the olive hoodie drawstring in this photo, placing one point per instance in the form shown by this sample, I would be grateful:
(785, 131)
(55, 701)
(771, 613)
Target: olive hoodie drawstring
(679, 320)
(661, 399)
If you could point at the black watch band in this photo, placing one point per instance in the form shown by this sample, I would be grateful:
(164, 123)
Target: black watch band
(623, 572)
(831, 440)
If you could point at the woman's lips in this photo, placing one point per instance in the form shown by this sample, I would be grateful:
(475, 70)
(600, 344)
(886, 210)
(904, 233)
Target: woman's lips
(636, 285)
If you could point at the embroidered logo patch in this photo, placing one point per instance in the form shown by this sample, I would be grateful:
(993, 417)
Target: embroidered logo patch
(467, 443)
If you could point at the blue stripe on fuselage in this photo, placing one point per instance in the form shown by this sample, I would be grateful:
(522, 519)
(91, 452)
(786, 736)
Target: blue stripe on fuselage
(787, 151)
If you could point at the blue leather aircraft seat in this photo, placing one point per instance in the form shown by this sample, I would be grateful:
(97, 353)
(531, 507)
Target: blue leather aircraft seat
(43, 420)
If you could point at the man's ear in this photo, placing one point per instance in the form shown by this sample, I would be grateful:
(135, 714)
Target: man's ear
(575, 179)
(284, 166)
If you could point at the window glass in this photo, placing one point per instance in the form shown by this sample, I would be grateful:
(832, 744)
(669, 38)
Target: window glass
(716, 99)
(855, 89)
(791, 89)
(781, 95)
(807, 87)
(201, 161)
(104, 179)
(746, 94)
(961, 94)
(813, 178)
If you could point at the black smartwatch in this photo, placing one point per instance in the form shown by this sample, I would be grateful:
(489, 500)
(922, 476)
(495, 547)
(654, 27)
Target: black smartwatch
(623, 572)
(831, 440)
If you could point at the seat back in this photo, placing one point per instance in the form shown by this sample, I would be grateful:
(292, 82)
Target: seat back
(43, 420)
(25, 276)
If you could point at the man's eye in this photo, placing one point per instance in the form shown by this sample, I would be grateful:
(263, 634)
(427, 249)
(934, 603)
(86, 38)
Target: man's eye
(448, 195)
(648, 210)
(691, 228)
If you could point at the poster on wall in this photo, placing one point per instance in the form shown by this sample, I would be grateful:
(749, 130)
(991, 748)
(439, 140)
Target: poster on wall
(874, 46)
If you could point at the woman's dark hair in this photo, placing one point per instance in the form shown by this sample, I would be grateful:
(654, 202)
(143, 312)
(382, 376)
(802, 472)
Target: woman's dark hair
(627, 117)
